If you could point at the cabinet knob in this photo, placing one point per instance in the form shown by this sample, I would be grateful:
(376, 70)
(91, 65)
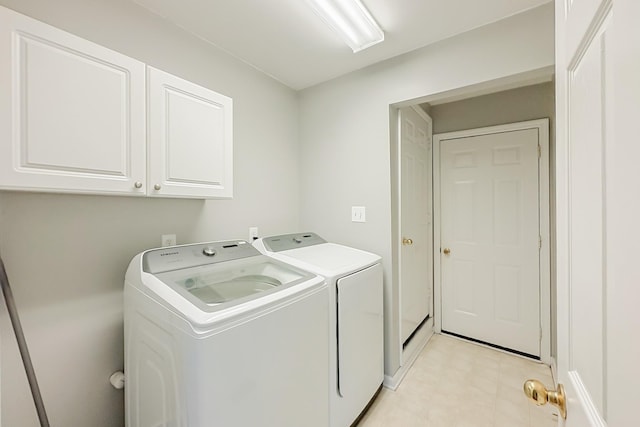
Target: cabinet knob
(157, 187)
(138, 184)
(446, 251)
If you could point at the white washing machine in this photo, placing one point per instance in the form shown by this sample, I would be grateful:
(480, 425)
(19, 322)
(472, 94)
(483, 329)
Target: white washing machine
(217, 334)
(356, 347)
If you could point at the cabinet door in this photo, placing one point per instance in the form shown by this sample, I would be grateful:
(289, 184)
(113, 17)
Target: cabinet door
(72, 113)
(190, 139)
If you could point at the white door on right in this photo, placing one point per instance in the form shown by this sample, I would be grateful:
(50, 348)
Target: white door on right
(598, 210)
(489, 204)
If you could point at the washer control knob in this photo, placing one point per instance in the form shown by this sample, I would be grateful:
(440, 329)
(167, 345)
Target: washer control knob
(209, 251)
(297, 240)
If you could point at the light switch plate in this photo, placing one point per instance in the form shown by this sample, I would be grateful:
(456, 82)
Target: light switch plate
(358, 214)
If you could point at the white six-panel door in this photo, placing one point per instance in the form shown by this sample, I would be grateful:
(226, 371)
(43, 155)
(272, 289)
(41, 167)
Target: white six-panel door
(416, 265)
(490, 237)
(598, 206)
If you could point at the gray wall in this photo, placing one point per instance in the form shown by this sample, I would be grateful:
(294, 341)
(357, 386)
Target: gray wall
(345, 132)
(510, 106)
(66, 255)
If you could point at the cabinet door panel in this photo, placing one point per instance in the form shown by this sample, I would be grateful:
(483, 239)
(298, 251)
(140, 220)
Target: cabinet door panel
(192, 124)
(190, 139)
(75, 119)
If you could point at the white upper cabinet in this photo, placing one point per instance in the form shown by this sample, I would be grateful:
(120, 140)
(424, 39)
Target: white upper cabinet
(74, 117)
(72, 113)
(190, 139)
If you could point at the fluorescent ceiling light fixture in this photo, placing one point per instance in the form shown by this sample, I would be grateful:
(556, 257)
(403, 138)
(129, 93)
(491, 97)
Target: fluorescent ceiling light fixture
(351, 20)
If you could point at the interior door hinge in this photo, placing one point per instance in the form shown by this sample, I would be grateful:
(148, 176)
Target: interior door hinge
(539, 242)
(539, 151)
(540, 338)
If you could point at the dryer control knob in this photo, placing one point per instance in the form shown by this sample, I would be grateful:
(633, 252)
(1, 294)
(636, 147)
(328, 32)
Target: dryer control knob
(297, 240)
(209, 251)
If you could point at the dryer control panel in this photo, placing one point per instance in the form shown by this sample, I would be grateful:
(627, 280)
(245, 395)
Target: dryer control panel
(291, 241)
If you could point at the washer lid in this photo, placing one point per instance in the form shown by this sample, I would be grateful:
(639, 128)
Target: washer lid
(221, 284)
(229, 290)
(328, 259)
(234, 281)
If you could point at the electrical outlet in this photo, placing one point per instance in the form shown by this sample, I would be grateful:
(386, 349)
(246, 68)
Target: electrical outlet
(358, 214)
(253, 233)
(168, 240)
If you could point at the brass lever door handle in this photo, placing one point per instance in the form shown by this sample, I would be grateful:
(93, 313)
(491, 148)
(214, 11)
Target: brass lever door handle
(406, 241)
(538, 394)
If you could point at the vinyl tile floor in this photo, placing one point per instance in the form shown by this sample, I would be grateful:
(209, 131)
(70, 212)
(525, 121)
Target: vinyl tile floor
(455, 383)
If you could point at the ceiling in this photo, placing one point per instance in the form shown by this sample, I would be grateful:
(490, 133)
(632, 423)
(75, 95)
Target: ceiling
(288, 41)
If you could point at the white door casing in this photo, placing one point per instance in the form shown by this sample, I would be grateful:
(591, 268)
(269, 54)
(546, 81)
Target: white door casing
(598, 105)
(416, 231)
(492, 214)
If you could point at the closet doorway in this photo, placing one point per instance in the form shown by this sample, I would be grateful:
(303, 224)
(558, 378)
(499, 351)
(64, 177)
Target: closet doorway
(492, 214)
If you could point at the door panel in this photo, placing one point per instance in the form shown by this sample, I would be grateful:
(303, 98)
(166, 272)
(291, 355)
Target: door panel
(586, 218)
(490, 224)
(416, 265)
(578, 21)
(584, 87)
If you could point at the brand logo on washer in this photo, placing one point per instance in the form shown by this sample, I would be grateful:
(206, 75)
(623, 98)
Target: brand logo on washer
(169, 253)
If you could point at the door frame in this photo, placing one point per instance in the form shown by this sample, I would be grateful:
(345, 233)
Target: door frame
(542, 125)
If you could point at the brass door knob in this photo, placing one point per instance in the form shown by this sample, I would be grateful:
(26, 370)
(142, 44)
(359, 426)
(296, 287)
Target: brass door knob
(446, 251)
(406, 241)
(538, 394)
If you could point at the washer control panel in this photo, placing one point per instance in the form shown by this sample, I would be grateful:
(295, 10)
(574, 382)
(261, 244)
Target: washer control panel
(177, 257)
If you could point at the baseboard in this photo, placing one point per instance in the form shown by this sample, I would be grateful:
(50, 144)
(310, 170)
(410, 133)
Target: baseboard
(409, 355)
(583, 398)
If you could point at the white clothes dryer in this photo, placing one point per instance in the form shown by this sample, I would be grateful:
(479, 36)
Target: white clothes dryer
(217, 334)
(356, 335)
